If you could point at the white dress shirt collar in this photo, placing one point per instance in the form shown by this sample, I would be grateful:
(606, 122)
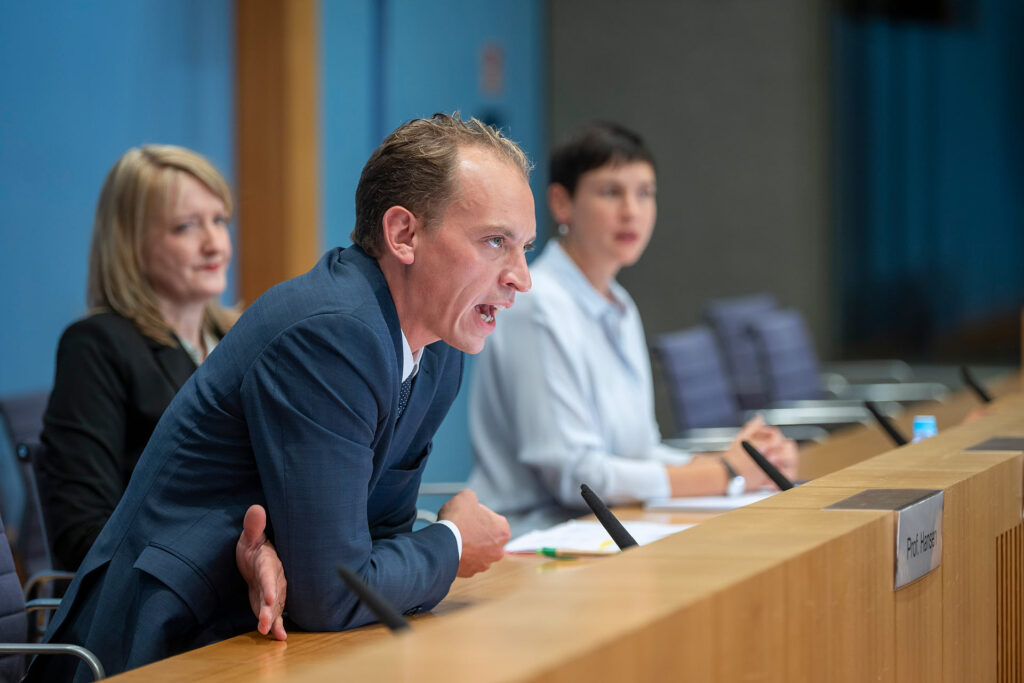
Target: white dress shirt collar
(410, 360)
(595, 304)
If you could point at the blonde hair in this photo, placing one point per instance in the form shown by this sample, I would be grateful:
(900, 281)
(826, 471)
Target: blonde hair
(143, 182)
(415, 167)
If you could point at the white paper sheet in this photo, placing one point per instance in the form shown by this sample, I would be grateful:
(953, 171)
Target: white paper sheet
(588, 538)
(706, 503)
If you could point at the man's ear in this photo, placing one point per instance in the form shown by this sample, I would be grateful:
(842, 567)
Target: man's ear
(400, 232)
(560, 203)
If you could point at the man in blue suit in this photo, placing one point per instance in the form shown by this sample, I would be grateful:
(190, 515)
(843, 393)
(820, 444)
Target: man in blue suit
(320, 405)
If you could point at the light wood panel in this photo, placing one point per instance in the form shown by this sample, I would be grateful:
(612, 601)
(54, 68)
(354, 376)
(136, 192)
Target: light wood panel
(278, 139)
(778, 591)
(982, 501)
(735, 568)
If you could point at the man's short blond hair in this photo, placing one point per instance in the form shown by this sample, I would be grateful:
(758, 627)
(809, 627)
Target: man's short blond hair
(415, 167)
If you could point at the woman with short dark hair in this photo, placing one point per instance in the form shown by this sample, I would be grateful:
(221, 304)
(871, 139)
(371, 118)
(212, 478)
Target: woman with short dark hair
(562, 393)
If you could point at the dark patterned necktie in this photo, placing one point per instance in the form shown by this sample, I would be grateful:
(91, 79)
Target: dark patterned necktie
(403, 397)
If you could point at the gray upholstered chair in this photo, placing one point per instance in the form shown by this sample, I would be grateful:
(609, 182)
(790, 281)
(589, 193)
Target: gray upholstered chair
(703, 402)
(14, 618)
(790, 370)
(22, 418)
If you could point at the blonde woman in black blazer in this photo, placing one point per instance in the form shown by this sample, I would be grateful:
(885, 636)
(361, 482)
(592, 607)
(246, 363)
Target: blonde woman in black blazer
(157, 265)
(158, 261)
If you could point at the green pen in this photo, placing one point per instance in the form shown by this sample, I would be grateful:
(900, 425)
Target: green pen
(602, 551)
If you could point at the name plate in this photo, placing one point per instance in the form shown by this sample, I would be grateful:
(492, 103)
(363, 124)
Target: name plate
(999, 443)
(918, 527)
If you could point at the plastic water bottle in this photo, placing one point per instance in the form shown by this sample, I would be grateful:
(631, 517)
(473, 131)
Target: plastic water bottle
(924, 427)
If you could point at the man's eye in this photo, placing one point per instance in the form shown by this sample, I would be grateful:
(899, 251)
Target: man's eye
(496, 242)
(528, 247)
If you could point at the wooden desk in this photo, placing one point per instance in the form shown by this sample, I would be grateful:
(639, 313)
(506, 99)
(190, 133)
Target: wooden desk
(779, 591)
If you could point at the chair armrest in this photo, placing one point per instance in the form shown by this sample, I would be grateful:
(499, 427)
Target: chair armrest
(41, 605)
(441, 488)
(868, 371)
(719, 438)
(709, 433)
(803, 433)
(698, 445)
(56, 649)
(815, 403)
(425, 516)
(41, 578)
(824, 415)
(908, 392)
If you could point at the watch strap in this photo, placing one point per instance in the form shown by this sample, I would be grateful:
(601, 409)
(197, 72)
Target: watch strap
(728, 468)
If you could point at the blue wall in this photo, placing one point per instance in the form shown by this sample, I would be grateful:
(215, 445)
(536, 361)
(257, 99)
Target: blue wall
(388, 61)
(80, 83)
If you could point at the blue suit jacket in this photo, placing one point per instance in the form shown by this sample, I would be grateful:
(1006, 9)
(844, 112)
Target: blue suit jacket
(295, 409)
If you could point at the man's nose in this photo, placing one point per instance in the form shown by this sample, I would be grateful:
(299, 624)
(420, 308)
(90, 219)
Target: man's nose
(518, 275)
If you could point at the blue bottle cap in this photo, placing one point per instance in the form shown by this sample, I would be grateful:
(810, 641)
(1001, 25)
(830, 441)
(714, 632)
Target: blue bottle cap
(924, 427)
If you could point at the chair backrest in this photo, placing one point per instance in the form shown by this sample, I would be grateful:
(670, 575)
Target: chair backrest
(729, 320)
(23, 416)
(23, 420)
(36, 535)
(789, 362)
(695, 376)
(13, 622)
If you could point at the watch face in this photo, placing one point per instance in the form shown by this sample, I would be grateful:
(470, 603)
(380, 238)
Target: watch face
(736, 486)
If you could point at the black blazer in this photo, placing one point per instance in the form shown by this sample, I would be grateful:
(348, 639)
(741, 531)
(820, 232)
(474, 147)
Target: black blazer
(111, 386)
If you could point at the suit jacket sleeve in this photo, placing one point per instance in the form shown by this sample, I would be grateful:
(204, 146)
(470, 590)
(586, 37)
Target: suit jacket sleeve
(315, 401)
(85, 426)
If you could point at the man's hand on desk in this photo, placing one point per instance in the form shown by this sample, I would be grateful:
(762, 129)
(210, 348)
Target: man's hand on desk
(261, 568)
(484, 533)
(779, 451)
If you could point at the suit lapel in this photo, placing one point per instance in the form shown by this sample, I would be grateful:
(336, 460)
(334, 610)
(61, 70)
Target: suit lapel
(420, 400)
(174, 362)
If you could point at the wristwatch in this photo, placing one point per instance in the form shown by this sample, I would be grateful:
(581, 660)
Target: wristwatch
(737, 483)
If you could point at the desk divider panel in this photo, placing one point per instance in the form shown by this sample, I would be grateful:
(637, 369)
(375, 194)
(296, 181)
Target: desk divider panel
(1010, 605)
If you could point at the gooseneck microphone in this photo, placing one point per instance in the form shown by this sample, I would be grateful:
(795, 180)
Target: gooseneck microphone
(778, 477)
(886, 424)
(974, 384)
(381, 608)
(609, 521)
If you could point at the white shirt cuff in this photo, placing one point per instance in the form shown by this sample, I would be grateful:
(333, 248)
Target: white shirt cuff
(455, 530)
(661, 486)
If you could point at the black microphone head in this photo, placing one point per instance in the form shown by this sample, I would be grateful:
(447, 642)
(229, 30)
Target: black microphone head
(971, 381)
(374, 601)
(779, 478)
(609, 521)
(887, 426)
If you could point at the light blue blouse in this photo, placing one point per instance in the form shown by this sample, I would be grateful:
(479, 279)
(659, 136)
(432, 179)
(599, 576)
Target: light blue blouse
(562, 395)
